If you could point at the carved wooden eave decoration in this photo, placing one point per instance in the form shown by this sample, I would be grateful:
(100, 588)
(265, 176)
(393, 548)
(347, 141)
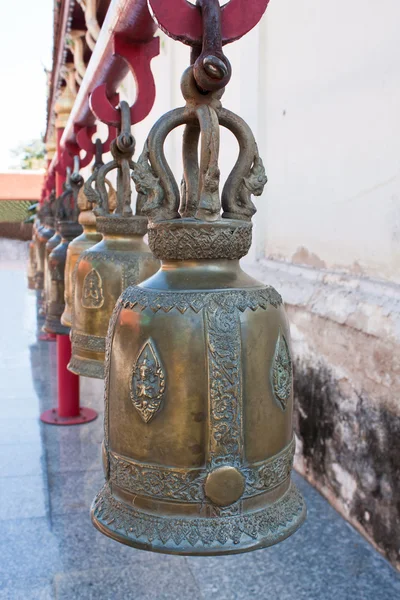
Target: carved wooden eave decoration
(77, 24)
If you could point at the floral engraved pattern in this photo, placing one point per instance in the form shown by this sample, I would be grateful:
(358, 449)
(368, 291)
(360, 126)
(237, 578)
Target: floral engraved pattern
(200, 242)
(147, 382)
(88, 342)
(183, 301)
(282, 372)
(157, 482)
(187, 485)
(269, 474)
(224, 364)
(92, 290)
(269, 524)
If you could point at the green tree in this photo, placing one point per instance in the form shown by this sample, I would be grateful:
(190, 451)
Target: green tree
(31, 155)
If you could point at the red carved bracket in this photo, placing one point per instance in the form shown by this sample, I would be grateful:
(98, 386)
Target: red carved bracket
(182, 21)
(66, 160)
(84, 138)
(138, 57)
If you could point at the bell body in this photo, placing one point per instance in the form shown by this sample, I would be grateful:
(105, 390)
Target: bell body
(56, 264)
(51, 244)
(43, 234)
(120, 259)
(86, 240)
(32, 265)
(199, 443)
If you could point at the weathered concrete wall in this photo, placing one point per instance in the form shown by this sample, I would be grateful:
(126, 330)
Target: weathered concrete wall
(346, 350)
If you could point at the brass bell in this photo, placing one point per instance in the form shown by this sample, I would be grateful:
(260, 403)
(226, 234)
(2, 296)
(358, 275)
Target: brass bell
(105, 270)
(86, 240)
(51, 244)
(31, 272)
(68, 228)
(199, 443)
(44, 231)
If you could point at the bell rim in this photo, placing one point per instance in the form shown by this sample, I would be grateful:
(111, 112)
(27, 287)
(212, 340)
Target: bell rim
(156, 545)
(86, 367)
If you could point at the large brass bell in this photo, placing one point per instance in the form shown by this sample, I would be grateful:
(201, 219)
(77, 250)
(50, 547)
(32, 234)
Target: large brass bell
(68, 228)
(88, 238)
(199, 444)
(105, 270)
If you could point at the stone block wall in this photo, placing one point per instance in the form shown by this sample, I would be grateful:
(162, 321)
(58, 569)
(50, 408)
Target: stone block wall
(346, 354)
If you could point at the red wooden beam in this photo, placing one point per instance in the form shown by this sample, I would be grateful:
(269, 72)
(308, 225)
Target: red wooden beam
(131, 20)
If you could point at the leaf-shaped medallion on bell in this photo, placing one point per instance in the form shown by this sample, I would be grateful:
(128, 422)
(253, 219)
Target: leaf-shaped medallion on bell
(282, 372)
(147, 382)
(92, 292)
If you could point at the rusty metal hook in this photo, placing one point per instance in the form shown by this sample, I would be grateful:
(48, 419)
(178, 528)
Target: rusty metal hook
(212, 69)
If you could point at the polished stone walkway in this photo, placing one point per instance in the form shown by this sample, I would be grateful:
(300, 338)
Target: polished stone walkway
(49, 475)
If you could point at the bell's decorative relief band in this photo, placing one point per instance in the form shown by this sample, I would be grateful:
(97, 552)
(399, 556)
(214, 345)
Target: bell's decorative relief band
(92, 291)
(196, 301)
(200, 242)
(107, 359)
(273, 523)
(130, 275)
(147, 382)
(282, 372)
(88, 342)
(225, 377)
(187, 485)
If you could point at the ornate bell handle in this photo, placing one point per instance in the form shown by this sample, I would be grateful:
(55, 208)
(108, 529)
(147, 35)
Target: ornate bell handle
(248, 175)
(76, 182)
(182, 21)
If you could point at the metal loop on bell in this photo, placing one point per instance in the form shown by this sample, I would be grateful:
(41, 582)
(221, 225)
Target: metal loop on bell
(122, 149)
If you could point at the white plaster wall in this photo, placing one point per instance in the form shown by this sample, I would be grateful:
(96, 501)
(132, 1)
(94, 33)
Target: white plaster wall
(319, 83)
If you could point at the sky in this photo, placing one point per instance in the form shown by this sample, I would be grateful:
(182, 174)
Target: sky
(26, 38)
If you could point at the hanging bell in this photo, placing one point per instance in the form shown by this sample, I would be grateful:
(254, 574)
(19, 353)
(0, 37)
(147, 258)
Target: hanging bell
(68, 228)
(31, 272)
(199, 444)
(51, 244)
(44, 231)
(87, 239)
(120, 259)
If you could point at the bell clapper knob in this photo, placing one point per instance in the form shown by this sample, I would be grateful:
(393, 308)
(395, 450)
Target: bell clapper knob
(224, 485)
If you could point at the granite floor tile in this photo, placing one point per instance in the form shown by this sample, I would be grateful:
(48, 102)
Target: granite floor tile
(91, 433)
(18, 460)
(82, 547)
(21, 430)
(22, 497)
(74, 492)
(63, 456)
(34, 589)
(148, 577)
(28, 553)
(14, 407)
